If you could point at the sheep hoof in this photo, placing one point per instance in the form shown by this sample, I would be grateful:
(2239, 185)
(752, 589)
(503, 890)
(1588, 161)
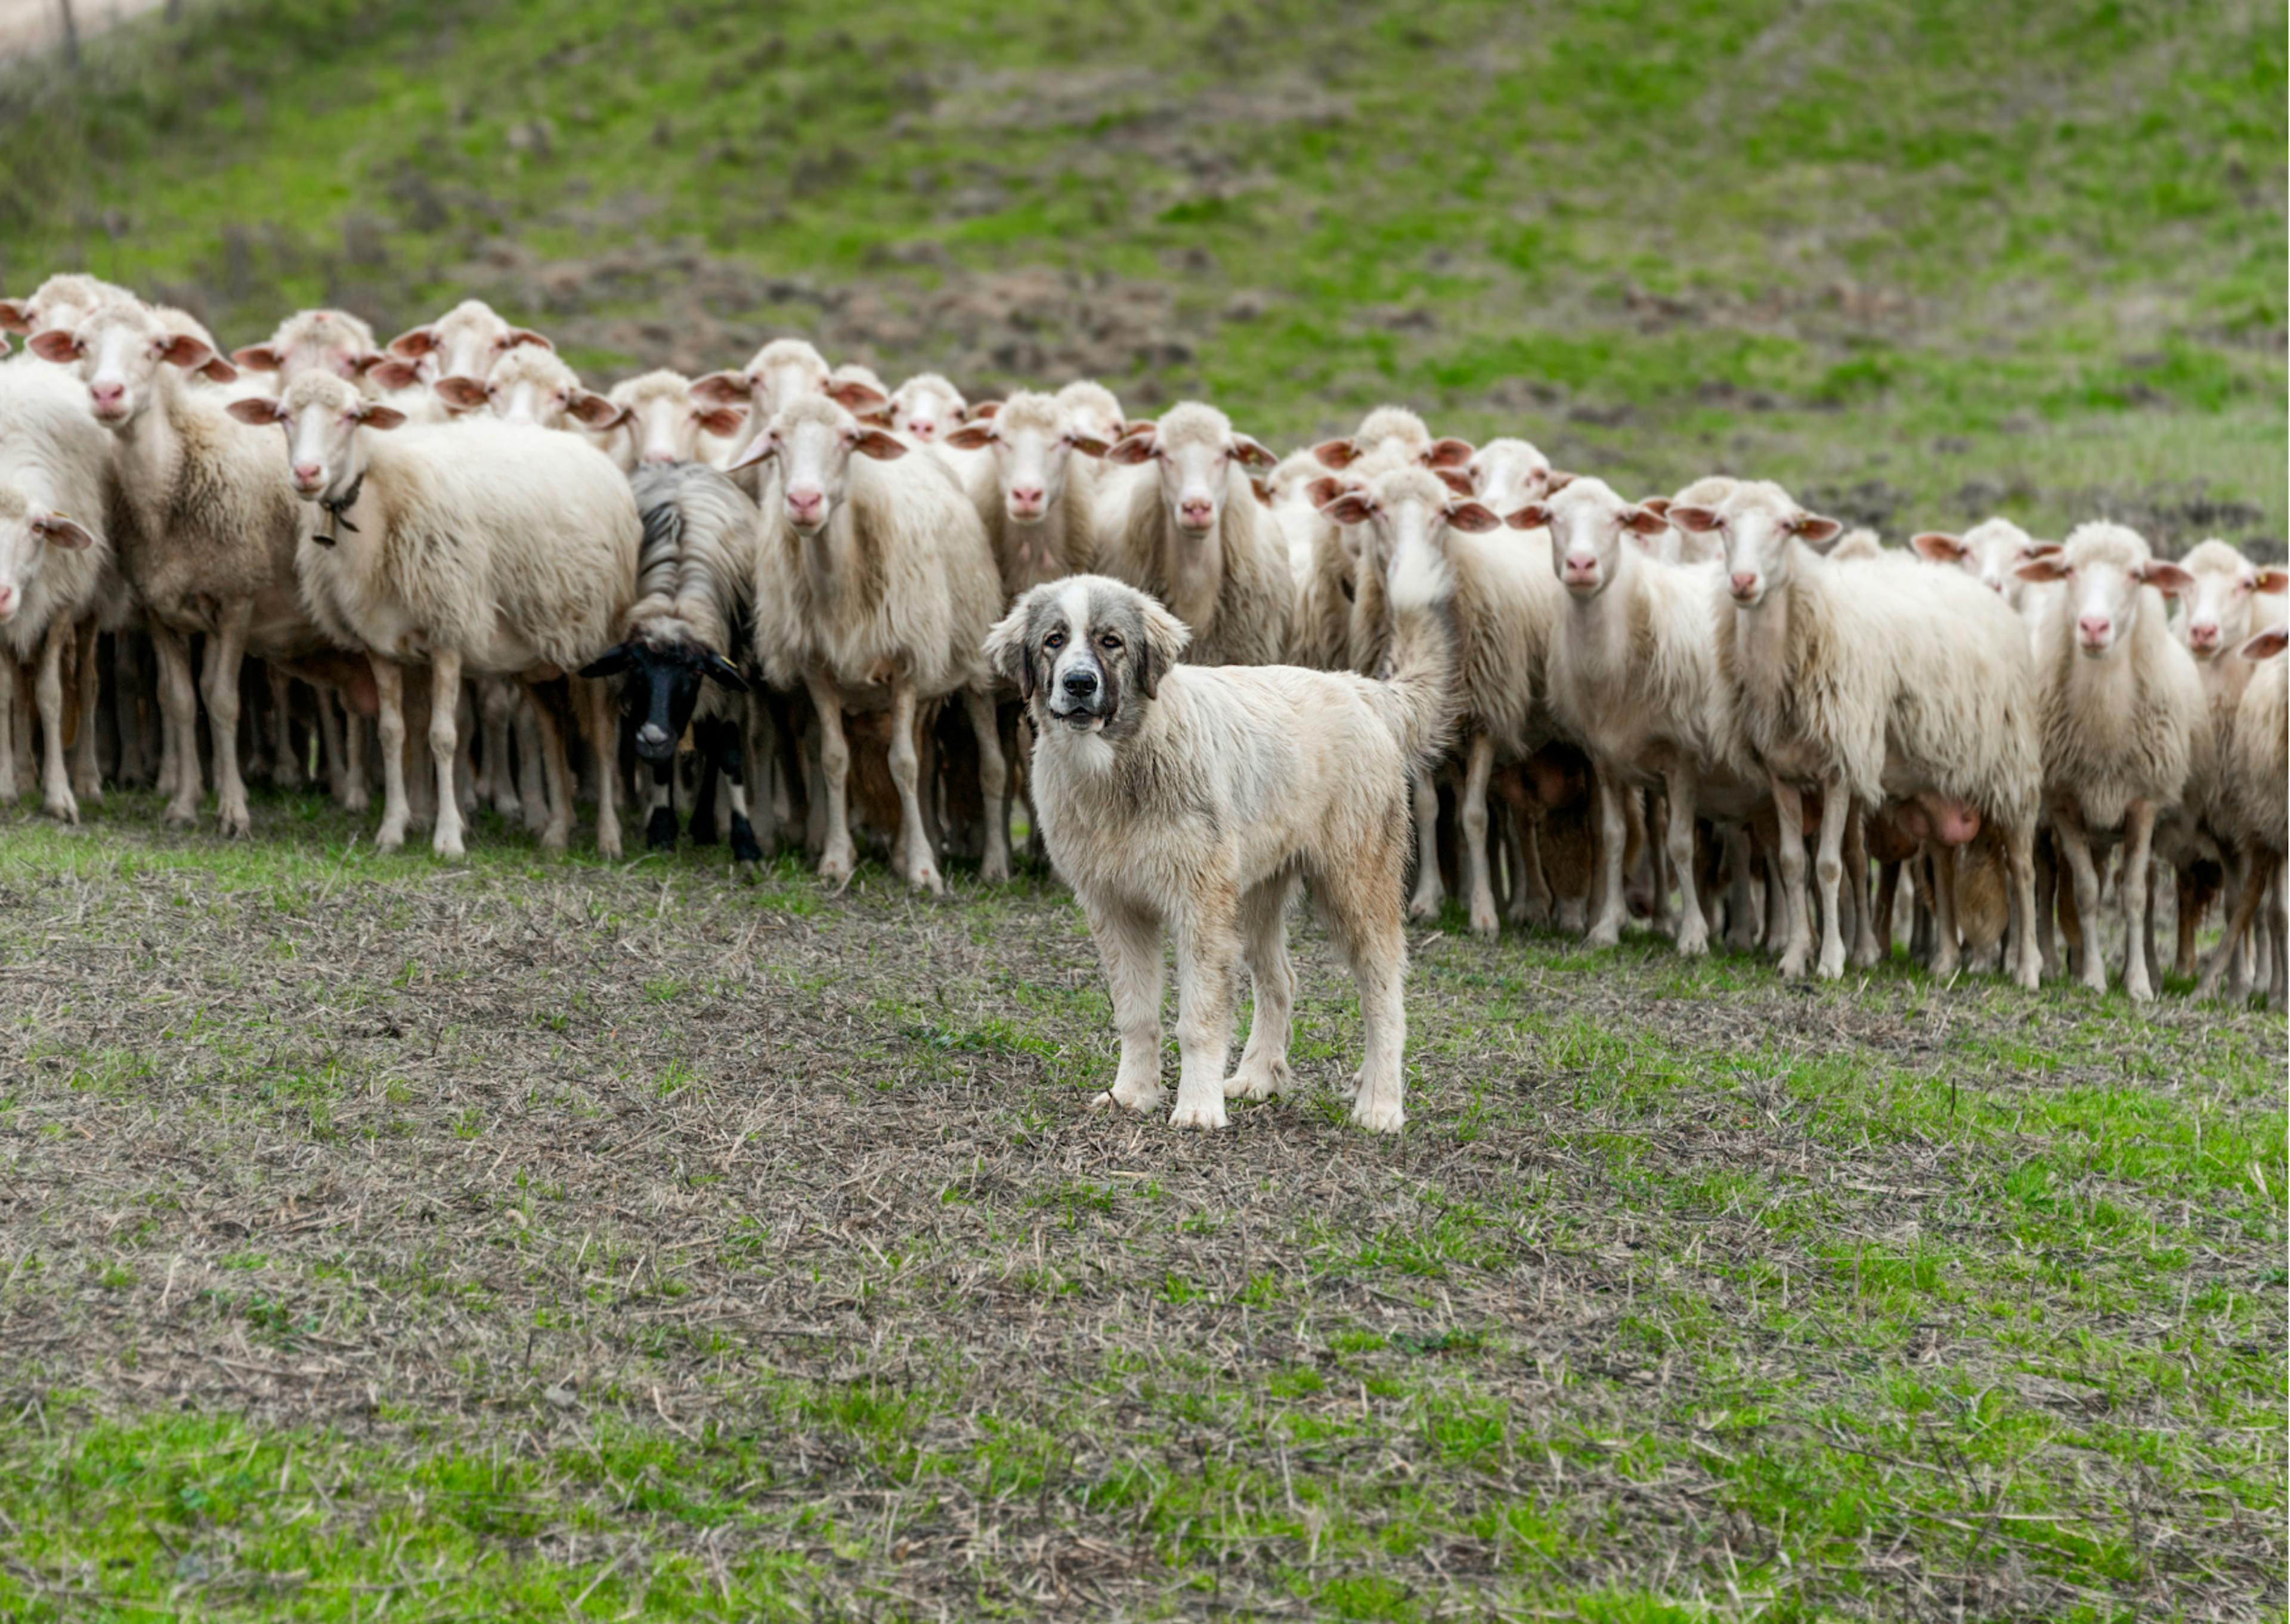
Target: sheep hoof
(1380, 1116)
(63, 808)
(660, 830)
(1485, 923)
(1258, 1082)
(745, 850)
(1606, 933)
(1792, 964)
(1204, 1113)
(1693, 944)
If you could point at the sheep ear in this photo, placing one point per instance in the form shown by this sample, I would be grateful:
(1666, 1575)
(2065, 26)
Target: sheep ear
(1134, 448)
(983, 411)
(724, 672)
(760, 449)
(1695, 521)
(880, 443)
(611, 662)
(393, 374)
(593, 411)
(1937, 546)
(376, 415)
(1813, 529)
(1262, 491)
(261, 413)
(1656, 504)
(1554, 481)
(526, 335)
(1534, 515)
(56, 344)
(1473, 516)
(1349, 507)
(258, 358)
(2267, 643)
(1334, 453)
(723, 420)
(1165, 637)
(1251, 452)
(2050, 566)
(219, 370)
(971, 437)
(59, 530)
(13, 318)
(191, 354)
(360, 366)
(467, 393)
(1090, 445)
(1448, 454)
(414, 344)
(1008, 651)
(857, 399)
(2043, 549)
(1324, 489)
(1459, 483)
(1642, 521)
(2273, 579)
(722, 389)
(2166, 577)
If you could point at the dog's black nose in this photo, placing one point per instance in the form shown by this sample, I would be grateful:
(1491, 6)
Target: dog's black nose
(1081, 685)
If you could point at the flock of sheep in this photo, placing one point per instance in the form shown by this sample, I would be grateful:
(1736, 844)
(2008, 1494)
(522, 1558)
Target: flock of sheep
(784, 576)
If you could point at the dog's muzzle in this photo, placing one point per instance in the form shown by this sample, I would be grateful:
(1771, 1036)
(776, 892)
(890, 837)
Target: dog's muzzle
(1078, 693)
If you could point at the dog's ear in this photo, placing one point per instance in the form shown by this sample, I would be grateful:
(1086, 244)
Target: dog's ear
(1009, 650)
(1165, 637)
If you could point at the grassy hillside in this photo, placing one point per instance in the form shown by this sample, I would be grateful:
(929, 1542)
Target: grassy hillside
(1924, 261)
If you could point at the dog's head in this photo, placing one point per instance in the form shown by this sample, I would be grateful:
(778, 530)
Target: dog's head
(1087, 652)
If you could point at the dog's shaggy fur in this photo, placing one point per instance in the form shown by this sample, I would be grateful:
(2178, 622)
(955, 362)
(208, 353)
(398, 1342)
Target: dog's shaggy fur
(1195, 798)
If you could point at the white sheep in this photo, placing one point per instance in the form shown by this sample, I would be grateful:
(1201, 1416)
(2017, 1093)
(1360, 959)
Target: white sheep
(210, 532)
(335, 341)
(465, 343)
(2255, 811)
(1094, 409)
(781, 373)
(1031, 494)
(1176, 517)
(1508, 474)
(1869, 681)
(874, 589)
(2123, 724)
(61, 302)
(1990, 552)
(928, 409)
(1502, 605)
(485, 547)
(665, 424)
(533, 386)
(1633, 674)
(1390, 426)
(56, 565)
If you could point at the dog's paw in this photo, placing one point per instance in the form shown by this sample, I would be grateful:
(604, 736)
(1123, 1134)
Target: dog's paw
(1257, 1082)
(1379, 1116)
(1199, 1113)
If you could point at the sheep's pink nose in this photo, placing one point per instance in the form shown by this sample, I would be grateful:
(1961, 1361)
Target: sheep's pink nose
(1744, 583)
(107, 395)
(657, 454)
(306, 473)
(7, 600)
(1027, 498)
(804, 500)
(1583, 569)
(921, 428)
(1197, 510)
(2203, 634)
(2095, 627)
(1993, 583)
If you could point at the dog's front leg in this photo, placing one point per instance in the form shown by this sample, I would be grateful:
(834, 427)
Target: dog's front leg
(1129, 946)
(1208, 949)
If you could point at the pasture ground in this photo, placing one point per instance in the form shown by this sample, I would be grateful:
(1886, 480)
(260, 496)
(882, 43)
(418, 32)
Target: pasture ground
(546, 1238)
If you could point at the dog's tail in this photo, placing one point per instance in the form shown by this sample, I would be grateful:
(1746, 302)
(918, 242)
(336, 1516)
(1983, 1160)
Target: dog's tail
(1418, 688)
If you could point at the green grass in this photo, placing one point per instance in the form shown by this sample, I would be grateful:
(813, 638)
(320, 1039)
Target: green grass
(1924, 261)
(546, 1238)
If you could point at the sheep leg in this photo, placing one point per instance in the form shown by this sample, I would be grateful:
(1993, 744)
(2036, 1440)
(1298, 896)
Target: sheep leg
(993, 784)
(2186, 916)
(48, 691)
(1472, 815)
(532, 789)
(445, 747)
(1129, 945)
(8, 790)
(1788, 809)
(354, 760)
(1866, 949)
(1836, 811)
(835, 859)
(2138, 853)
(1264, 1069)
(133, 703)
(465, 766)
(917, 860)
(1531, 899)
(86, 770)
(2146, 935)
(1425, 903)
(1681, 790)
(1946, 952)
(286, 771)
(2277, 931)
(2253, 874)
(732, 746)
(598, 718)
(2075, 848)
(1741, 900)
(1613, 841)
(1888, 892)
(330, 745)
(226, 657)
(497, 724)
(2020, 858)
(555, 798)
(179, 708)
(389, 687)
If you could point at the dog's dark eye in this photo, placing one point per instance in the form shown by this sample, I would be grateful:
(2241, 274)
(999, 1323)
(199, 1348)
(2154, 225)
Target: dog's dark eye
(1109, 643)
(1055, 640)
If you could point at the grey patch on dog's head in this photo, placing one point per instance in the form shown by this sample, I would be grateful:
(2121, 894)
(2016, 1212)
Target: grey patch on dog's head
(1088, 651)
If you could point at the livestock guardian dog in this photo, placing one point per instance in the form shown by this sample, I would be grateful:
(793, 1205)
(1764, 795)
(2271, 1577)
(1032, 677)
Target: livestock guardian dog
(1195, 797)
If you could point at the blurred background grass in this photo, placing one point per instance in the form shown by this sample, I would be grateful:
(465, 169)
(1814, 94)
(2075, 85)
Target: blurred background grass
(1921, 261)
